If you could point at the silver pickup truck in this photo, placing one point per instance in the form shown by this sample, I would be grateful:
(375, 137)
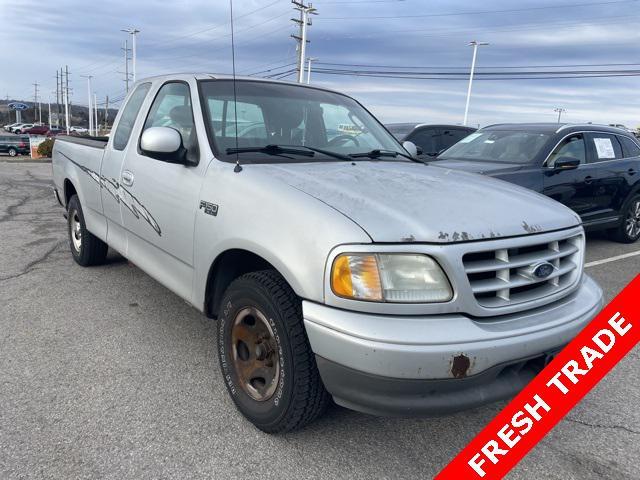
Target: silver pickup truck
(335, 263)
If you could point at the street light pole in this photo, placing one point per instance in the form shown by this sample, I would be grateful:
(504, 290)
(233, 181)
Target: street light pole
(475, 44)
(133, 32)
(90, 111)
(559, 111)
(309, 60)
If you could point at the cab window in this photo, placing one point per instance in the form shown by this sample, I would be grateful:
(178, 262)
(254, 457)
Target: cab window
(172, 108)
(573, 147)
(129, 115)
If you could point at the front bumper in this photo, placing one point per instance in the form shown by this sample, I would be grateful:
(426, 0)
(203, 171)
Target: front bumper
(412, 365)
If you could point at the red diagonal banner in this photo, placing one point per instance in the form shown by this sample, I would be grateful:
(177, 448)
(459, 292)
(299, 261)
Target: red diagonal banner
(553, 392)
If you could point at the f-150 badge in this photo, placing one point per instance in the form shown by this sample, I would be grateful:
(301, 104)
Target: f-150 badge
(209, 208)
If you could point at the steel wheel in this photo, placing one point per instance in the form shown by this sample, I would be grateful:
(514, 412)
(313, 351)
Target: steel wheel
(76, 230)
(255, 353)
(632, 222)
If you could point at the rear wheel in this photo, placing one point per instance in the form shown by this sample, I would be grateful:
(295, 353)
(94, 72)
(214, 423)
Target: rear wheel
(13, 152)
(86, 248)
(629, 229)
(265, 356)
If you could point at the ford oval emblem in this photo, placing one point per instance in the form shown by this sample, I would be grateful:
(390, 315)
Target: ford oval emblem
(543, 270)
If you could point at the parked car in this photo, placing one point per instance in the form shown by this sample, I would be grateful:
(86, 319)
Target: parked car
(10, 127)
(14, 145)
(79, 130)
(430, 139)
(334, 265)
(36, 130)
(56, 131)
(20, 129)
(594, 170)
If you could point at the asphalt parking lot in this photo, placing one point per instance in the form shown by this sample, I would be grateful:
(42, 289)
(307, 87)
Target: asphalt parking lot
(106, 374)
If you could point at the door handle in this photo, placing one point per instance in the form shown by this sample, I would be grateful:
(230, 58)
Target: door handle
(127, 178)
(631, 171)
(588, 179)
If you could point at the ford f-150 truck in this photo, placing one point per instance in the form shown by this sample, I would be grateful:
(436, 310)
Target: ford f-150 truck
(335, 264)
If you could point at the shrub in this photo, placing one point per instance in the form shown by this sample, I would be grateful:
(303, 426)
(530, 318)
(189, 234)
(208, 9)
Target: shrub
(45, 148)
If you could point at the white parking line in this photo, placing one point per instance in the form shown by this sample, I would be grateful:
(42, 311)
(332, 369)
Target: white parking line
(611, 259)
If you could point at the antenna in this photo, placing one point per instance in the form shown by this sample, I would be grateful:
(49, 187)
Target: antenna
(237, 168)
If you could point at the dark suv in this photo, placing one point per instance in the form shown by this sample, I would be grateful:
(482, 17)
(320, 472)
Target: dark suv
(14, 145)
(430, 139)
(593, 169)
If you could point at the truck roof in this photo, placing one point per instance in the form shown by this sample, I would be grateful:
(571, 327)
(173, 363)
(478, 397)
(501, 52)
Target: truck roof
(221, 76)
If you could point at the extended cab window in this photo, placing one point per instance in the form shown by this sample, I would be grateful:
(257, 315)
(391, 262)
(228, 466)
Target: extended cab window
(573, 147)
(172, 108)
(129, 115)
(604, 147)
(630, 148)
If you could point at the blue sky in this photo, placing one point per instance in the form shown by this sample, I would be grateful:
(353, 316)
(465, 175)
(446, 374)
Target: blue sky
(193, 35)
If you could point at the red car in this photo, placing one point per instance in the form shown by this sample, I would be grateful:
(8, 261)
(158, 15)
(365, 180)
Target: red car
(37, 130)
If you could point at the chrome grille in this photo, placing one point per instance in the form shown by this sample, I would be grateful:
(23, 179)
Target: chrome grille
(503, 276)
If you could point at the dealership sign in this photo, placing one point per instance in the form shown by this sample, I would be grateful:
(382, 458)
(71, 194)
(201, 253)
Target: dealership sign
(18, 106)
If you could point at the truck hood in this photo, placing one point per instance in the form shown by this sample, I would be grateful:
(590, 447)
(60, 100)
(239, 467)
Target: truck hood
(410, 202)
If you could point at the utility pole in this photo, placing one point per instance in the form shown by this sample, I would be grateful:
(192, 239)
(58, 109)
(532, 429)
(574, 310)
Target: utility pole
(90, 110)
(106, 112)
(36, 99)
(475, 46)
(126, 65)
(303, 23)
(559, 111)
(133, 32)
(57, 100)
(95, 114)
(309, 60)
(49, 103)
(66, 96)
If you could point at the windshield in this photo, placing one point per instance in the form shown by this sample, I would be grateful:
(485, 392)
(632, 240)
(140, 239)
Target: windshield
(507, 146)
(291, 116)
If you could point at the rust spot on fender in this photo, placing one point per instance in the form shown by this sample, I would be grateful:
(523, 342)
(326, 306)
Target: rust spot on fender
(460, 366)
(531, 228)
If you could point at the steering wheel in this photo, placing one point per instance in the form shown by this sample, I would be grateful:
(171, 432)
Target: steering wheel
(340, 139)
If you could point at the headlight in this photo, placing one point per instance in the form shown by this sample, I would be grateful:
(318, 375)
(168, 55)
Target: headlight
(381, 277)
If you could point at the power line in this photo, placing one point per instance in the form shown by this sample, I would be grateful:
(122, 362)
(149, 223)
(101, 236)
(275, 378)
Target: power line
(208, 29)
(485, 12)
(484, 67)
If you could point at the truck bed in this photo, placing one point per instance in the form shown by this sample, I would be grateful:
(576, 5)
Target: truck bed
(95, 142)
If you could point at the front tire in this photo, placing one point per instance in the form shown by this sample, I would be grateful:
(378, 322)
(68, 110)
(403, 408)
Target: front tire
(265, 357)
(86, 248)
(629, 229)
(13, 152)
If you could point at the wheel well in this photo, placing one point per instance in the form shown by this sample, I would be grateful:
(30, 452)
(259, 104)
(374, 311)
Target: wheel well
(227, 267)
(69, 191)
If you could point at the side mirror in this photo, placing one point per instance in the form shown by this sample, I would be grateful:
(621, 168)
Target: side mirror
(566, 163)
(411, 148)
(163, 143)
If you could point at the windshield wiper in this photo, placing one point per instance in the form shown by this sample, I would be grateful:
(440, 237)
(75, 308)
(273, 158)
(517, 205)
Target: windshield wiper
(292, 149)
(377, 153)
(272, 150)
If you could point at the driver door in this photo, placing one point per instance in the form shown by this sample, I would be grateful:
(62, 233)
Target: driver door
(159, 211)
(569, 186)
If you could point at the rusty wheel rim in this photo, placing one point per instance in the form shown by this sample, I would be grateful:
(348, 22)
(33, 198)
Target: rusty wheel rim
(255, 354)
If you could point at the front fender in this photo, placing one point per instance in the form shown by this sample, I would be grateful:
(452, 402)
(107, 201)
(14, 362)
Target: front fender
(291, 230)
